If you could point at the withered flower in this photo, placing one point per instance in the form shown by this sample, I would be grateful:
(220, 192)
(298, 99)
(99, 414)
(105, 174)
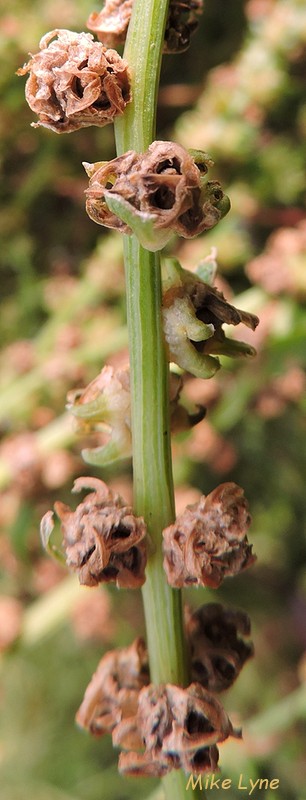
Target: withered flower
(112, 694)
(179, 728)
(75, 82)
(193, 315)
(217, 651)
(182, 22)
(208, 541)
(111, 23)
(105, 406)
(103, 539)
(155, 194)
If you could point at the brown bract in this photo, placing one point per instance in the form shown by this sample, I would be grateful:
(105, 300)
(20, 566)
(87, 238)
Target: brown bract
(75, 82)
(111, 24)
(217, 651)
(208, 541)
(112, 694)
(103, 539)
(179, 728)
(164, 182)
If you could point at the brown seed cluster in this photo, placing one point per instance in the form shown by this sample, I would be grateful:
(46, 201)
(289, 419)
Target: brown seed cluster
(111, 24)
(208, 541)
(183, 20)
(217, 647)
(75, 82)
(103, 540)
(164, 183)
(112, 694)
(179, 728)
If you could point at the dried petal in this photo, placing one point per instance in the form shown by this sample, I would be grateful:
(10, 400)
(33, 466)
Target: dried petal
(193, 315)
(112, 22)
(75, 82)
(217, 651)
(102, 537)
(112, 694)
(155, 194)
(208, 542)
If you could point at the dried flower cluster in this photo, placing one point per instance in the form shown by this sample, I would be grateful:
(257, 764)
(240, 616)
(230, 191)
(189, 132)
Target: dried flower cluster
(112, 694)
(179, 728)
(208, 541)
(105, 406)
(182, 22)
(103, 540)
(155, 194)
(111, 23)
(75, 82)
(166, 727)
(193, 315)
(217, 651)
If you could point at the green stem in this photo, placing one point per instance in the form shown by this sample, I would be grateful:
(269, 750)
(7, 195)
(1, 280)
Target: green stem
(152, 465)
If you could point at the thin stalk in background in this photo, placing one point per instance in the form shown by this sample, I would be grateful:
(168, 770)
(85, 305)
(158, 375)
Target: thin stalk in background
(152, 465)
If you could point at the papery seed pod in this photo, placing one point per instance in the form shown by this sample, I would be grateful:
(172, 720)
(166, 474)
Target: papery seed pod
(217, 649)
(75, 82)
(193, 315)
(208, 541)
(103, 540)
(154, 194)
(111, 23)
(179, 728)
(112, 694)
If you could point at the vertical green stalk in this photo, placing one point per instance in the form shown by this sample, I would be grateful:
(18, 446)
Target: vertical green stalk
(152, 465)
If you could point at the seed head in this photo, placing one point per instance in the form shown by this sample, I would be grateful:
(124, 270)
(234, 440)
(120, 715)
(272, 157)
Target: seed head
(75, 82)
(103, 540)
(208, 541)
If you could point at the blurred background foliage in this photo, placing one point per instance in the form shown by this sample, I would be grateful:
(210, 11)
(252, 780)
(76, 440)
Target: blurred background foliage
(239, 93)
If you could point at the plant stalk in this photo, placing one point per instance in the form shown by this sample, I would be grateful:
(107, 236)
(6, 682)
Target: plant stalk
(152, 464)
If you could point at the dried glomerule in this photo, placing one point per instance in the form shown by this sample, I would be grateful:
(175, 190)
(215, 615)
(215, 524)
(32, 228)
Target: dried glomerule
(179, 728)
(111, 24)
(193, 317)
(103, 540)
(218, 650)
(164, 185)
(104, 406)
(181, 24)
(208, 541)
(112, 694)
(75, 82)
